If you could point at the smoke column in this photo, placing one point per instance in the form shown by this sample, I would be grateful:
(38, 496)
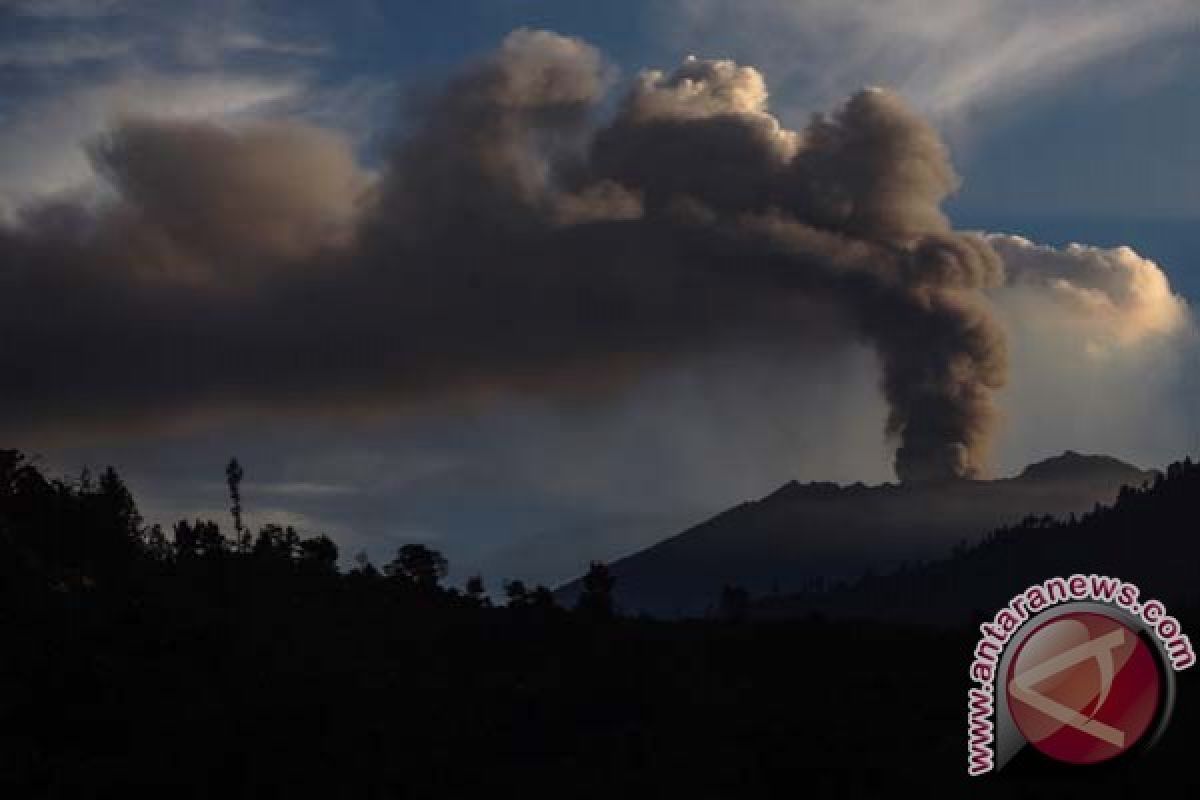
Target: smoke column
(522, 236)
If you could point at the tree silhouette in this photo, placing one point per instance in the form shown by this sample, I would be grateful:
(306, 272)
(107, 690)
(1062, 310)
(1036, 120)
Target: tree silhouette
(156, 544)
(363, 566)
(233, 477)
(209, 539)
(596, 600)
(475, 590)
(318, 554)
(185, 538)
(537, 602)
(120, 502)
(276, 543)
(517, 593)
(542, 599)
(418, 565)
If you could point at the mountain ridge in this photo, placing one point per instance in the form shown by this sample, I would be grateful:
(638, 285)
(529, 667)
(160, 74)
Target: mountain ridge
(1145, 537)
(806, 534)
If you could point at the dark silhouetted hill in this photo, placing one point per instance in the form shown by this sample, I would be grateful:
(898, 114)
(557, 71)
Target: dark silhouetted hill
(807, 535)
(1150, 536)
(190, 664)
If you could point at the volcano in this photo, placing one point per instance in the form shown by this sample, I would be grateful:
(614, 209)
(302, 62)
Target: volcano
(804, 536)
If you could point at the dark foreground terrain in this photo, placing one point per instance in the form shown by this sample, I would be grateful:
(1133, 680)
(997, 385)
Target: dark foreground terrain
(197, 665)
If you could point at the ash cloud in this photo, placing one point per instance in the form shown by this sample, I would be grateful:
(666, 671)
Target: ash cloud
(517, 239)
(225, 206)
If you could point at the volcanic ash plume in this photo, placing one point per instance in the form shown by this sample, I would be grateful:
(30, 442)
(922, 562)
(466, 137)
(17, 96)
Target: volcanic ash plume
(719, 225)
(518, 238)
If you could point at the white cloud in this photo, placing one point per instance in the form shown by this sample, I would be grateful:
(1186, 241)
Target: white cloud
(947, 56)
(205, 44)
(1111, 297)
(305, 489)
(1101, 350)
(63, 51)
(66, 9)
(247, 41)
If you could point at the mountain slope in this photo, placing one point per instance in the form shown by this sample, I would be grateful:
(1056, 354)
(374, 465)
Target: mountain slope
(803, 533)
(1149, 537)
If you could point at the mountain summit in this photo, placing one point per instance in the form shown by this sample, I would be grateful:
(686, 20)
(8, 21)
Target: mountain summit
(806, 535)
(1072, 466)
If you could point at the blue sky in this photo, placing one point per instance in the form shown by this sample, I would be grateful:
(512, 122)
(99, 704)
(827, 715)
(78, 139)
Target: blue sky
(1068, 121)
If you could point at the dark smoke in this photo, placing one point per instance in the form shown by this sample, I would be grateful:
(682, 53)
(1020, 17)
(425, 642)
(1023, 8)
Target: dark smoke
(516, 241)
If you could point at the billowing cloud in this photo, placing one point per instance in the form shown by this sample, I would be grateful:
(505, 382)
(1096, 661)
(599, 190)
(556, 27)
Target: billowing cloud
(202, 202)
(1112, 296)
(1102, 352)
(518, 240)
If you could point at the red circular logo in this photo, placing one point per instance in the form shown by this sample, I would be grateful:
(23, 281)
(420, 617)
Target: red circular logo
(1083, 688)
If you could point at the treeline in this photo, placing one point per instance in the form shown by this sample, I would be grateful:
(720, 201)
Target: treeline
(192, 663)
(86, 535)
